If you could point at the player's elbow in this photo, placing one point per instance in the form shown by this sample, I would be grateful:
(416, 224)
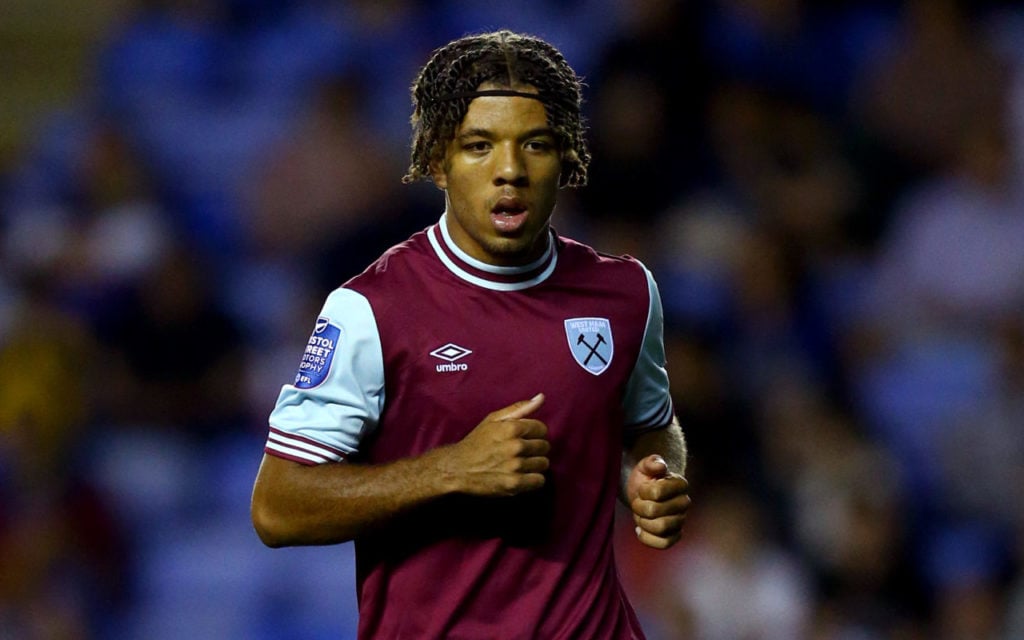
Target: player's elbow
(271, 508)
(270, 526)
(273, 521)
(284, 515)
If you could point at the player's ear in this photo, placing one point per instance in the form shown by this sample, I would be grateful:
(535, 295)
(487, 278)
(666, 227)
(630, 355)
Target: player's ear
(438, 173)
(438, 165)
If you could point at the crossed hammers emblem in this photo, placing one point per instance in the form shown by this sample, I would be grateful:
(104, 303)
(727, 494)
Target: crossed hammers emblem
(592, 349)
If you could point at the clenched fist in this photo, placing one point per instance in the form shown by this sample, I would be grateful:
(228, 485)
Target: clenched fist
(504, 455)
(659, 500)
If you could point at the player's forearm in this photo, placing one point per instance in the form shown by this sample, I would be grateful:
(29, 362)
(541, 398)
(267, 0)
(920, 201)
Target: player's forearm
(668, 443)
(294, 504)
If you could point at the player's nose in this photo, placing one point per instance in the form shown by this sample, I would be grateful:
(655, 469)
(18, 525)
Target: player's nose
(509, 166)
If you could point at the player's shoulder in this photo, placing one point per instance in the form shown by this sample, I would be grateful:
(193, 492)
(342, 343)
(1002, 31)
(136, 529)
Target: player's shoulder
(578, 254)
(613, 276)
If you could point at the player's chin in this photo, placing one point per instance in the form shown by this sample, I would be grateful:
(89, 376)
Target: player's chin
(510, 246)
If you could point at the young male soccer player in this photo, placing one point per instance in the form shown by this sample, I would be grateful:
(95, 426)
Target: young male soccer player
(470, 407)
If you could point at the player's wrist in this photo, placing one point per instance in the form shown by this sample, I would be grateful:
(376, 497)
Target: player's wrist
(440, 473)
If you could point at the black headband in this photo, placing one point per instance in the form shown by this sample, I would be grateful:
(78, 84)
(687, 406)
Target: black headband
(488, 92)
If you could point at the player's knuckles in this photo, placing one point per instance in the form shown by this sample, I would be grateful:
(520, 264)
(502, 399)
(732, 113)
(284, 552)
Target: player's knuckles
(663, 527)
(518, 449)
(533, 481)
(535, 464)
(645, 509)
(666, 542)
(655, 541)
(677, 505)
(525, 448)
(535, 448)
(528, 464)
(663, 489)
(508, 484)
(529, 428)
(676, 486)
(504, 429)
(653, 492)
(523, 462)
(659, 534)
(682, 503)
(650, 491)
(518, 483)
(652, 527)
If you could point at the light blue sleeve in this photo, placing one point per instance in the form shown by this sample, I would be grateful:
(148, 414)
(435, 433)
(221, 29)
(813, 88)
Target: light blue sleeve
(337, 396)
(648, 399)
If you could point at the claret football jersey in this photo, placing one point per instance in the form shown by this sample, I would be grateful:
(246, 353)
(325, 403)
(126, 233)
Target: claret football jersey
(411, 355)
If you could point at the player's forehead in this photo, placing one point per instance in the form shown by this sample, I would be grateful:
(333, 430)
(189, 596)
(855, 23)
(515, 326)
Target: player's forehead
(504, 113)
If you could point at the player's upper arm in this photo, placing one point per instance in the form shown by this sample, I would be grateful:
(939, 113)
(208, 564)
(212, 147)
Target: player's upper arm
(648, 400)
(337, 395)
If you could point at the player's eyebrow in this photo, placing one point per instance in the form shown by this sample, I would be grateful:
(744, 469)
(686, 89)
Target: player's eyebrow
(478, 132)
(475, 132)
(539, 132)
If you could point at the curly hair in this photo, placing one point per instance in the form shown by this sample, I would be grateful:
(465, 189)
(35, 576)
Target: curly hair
(443, 90)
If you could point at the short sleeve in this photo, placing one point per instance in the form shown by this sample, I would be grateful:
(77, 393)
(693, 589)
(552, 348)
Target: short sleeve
(337, 395)
(648, 400)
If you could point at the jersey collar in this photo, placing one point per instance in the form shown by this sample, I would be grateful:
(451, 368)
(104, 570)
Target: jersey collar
(486, 275)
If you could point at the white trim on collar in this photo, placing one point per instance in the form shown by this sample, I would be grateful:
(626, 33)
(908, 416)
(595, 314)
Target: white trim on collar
(441, 229)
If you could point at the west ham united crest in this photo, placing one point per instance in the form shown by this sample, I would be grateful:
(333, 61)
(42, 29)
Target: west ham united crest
(590, 341)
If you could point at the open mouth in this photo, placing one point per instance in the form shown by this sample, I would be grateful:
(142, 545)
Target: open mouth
(509, 214)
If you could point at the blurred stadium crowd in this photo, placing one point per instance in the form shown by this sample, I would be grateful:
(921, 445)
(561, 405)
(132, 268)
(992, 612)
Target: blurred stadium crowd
(830, 194)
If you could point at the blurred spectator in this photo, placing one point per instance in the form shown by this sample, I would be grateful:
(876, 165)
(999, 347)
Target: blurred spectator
(647, 95)
(990, 442)
(934, 371)
(964, 564)
(937, 77)
(949, 275)
(844, 504)
(808, 51)
(89, 222)
(65, 568)
(951, 257)
(556, 21)
(322, 180)
(174, 356)
(1013, 626)
(722, 437)
(206, 87)
(733, 580)
(388, 39)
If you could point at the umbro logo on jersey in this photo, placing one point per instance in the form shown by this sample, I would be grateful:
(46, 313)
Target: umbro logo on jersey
(450, 353)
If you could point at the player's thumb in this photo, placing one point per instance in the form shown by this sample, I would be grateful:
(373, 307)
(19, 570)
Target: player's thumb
(654, 466)
(519, 409)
